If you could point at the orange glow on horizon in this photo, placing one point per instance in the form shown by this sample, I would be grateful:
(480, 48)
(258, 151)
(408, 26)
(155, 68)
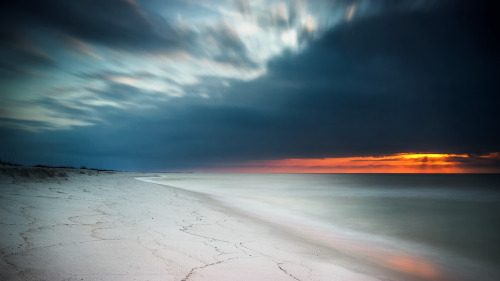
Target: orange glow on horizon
(396, 163)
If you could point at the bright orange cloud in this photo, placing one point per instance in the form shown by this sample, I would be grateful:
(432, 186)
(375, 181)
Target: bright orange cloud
(397, 163)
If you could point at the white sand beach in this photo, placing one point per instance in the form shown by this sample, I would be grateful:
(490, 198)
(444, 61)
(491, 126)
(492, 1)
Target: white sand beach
(71, 224)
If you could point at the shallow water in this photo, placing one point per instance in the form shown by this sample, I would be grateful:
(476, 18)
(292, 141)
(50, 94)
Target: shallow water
(438, 227)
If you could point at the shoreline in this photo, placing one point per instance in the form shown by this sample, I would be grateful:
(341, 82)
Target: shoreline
(280, 232)
(102, 225)
(313, 243)
(387, 258)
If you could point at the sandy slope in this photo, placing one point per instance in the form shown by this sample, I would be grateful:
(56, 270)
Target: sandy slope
(63, 224)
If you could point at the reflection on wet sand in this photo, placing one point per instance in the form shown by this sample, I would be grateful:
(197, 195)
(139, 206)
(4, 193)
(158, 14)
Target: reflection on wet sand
(413, 266)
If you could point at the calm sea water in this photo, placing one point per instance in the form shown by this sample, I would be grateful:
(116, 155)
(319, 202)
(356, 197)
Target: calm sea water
(429, 227)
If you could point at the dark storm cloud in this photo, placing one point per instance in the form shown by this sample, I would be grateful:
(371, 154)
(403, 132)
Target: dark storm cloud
(16, 52)
(21, 51)
(25, 25)
(115, 23)
(413, 82)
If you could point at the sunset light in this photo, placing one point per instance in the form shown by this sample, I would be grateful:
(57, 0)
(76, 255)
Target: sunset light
(396, 163)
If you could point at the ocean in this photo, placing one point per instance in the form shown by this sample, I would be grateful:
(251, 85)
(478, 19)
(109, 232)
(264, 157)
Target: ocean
(422, 226)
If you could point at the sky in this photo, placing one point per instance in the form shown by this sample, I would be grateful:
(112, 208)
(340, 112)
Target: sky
(251, 86)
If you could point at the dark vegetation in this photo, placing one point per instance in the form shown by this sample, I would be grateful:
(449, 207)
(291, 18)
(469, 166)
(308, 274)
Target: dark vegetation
(43, 171)
(8, 163)
(33, 172)
(69, 167)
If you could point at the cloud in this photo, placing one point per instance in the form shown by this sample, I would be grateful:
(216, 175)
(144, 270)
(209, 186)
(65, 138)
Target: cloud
(223, 44)
(82, 48)
(382, 85)
(116, 23)
(386, 85)
(103, 95)
(115, 28)
(416, 66)
(17, 51)
(244, 7)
